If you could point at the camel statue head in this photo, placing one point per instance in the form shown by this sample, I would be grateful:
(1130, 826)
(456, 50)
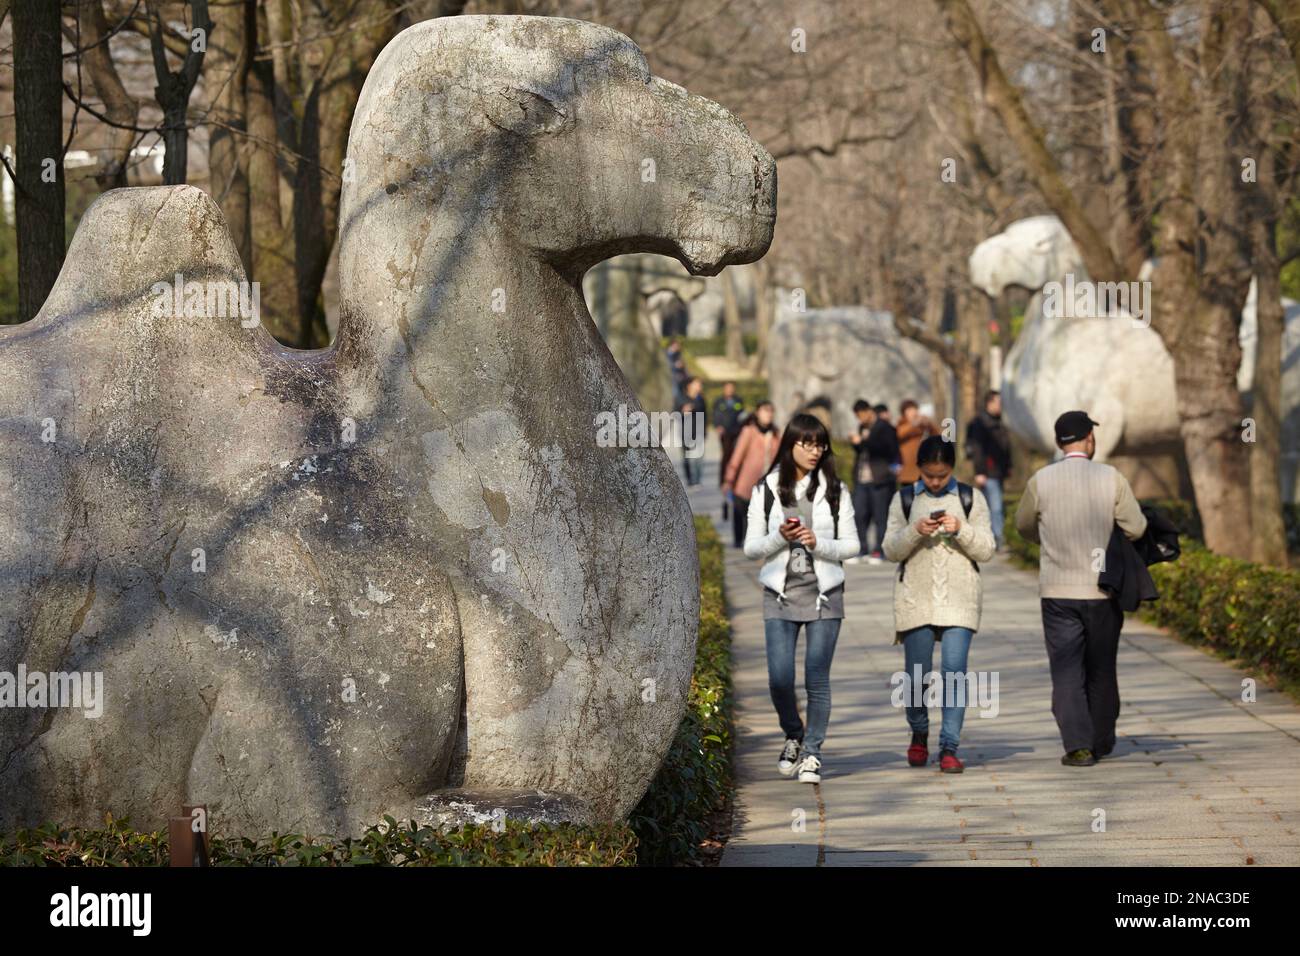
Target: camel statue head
(1029, 253)
(547, 139)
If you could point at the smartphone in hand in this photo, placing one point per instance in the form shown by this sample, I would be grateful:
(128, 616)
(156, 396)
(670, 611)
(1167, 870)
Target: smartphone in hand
(938, 515)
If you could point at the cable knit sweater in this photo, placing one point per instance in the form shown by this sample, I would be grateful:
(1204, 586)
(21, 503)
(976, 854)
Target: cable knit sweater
(940, 587)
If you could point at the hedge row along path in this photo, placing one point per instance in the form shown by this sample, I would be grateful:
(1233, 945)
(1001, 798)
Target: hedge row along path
(1198, 777)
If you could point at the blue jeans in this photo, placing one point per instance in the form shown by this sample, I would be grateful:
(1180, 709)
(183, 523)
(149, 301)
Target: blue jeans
(993, 494)
(694, 468)
(918, 650)
(782, 636)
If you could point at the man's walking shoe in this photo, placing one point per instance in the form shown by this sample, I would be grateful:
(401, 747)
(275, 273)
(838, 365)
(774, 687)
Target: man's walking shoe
(875, 557)
(810, 770)
(856, 559)
(918, 755)
(789, 757)
(1079, 758)
(948, 762)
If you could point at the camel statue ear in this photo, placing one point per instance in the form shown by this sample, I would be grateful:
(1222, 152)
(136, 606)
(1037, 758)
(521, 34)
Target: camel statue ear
(522, 111)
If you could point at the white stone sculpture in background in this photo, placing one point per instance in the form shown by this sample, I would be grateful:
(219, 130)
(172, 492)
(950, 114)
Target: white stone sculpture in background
(1111, 365)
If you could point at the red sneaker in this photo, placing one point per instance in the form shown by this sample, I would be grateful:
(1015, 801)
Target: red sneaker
(948, 763)
(918, 755)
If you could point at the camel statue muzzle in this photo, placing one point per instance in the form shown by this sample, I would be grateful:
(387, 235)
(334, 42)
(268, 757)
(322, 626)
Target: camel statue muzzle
(399, 575)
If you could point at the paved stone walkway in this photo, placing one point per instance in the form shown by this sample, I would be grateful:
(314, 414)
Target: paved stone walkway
(1198, 777)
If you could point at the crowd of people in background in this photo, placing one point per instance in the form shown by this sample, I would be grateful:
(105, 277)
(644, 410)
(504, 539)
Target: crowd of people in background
(788, 507)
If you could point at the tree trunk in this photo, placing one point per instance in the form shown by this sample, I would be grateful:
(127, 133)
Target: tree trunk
(764, 314)
(119, 105)
(1268, 531)
(176, 141)
(735, 340)
(935, 296)
(38, 115)
(1206, 358)
(1005, 100)
(229, 57)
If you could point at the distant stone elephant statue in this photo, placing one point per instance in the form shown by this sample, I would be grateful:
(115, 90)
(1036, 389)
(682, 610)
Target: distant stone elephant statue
(398, 575)
(1113, 367)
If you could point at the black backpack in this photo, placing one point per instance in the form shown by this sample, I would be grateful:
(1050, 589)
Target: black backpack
(907, 494)
(769, 498)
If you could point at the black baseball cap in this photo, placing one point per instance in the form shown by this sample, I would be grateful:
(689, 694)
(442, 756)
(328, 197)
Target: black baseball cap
(1073, 426)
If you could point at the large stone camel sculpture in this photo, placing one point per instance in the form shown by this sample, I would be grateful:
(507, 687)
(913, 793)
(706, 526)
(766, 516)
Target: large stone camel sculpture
(1111, 365)
(426, 590)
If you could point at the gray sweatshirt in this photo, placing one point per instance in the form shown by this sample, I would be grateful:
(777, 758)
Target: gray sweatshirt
(1070, 508)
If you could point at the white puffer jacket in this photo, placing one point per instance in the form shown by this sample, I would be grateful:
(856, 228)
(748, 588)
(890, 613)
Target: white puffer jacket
(763, 540)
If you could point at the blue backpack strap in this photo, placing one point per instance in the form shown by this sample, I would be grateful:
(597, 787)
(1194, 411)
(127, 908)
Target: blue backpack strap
(906, 495)
(967, 495)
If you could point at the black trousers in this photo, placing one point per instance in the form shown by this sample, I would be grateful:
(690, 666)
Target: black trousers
(728, 446)
(882, 493)
(1082, 645)
(862, 513)
(740, 520)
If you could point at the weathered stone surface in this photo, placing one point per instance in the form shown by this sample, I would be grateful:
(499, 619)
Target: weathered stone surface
(1119, 370)
(844, 354)
(496, 588)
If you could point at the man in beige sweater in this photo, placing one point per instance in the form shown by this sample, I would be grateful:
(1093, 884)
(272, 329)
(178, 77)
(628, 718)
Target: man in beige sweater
(1070, 508)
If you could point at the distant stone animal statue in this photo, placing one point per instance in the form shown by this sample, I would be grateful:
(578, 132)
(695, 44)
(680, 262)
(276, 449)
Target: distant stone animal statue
(843, 354)
(398, 575)
(1117, 369)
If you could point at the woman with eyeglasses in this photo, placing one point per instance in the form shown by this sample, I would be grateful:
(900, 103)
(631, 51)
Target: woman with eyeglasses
(801, 523)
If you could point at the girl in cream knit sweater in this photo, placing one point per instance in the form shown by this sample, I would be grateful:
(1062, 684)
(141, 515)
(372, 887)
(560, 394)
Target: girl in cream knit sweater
(937, 595)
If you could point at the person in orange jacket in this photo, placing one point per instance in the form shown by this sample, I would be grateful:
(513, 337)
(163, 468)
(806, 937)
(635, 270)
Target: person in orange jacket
(913, 429)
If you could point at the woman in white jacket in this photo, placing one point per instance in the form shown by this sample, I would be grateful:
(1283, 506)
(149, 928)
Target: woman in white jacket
(801, 523)
(939, 543)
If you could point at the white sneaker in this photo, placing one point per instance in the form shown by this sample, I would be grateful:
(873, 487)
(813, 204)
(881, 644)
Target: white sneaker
(789, 757)
(810, 770)
(857, 559)
(873, 559)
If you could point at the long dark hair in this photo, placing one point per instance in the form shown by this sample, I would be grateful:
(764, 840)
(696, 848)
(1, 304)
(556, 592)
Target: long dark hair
(806, 428)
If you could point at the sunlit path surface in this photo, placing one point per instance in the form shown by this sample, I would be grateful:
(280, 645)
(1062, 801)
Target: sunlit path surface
(1198, 777)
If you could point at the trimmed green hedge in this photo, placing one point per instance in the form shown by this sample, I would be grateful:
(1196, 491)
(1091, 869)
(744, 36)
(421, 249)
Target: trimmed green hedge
(667, 827)
(1243, 610)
